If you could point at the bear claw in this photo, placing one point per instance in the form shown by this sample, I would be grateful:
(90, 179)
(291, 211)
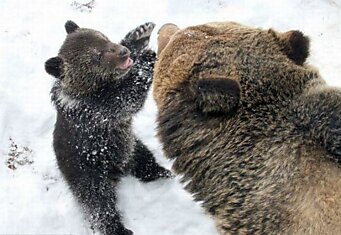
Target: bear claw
(142, 31)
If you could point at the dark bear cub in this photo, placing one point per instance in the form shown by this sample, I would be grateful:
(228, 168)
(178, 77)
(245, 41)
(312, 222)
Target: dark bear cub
(100, 85)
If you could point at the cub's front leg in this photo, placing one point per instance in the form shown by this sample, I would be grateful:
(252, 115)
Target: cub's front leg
(145, 166)
(138, 39)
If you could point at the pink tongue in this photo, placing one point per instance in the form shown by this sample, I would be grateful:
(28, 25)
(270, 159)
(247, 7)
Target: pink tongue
(126, 63)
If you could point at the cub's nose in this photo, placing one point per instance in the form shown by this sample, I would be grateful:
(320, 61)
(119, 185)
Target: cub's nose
(124, 51)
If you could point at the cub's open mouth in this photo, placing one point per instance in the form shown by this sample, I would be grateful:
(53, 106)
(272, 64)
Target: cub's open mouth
(126, 64)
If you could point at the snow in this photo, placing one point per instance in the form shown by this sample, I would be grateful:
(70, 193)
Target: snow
(33, 198)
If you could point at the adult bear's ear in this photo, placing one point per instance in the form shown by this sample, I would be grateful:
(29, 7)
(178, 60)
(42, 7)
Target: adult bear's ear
(71, 26)
(295, 45)
(218, 96)
(165, 33)
(54, 66)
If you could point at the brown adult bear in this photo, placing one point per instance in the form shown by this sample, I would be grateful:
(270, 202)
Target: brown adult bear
(255, 132)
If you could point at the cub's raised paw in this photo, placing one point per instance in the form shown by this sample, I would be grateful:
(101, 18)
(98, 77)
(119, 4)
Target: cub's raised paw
(138, 38)
(142, 31)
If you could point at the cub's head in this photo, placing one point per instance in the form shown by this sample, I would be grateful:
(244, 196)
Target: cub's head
(87, 60)
(223, 66)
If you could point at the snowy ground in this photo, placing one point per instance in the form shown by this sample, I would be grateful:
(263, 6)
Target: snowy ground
(33, 197)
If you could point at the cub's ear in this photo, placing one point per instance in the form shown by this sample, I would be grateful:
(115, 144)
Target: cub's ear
(218, 96)
(54, 66)
(71, 26)
(295, 45)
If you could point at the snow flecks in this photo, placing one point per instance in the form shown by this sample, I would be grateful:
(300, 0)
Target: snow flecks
(31, 34)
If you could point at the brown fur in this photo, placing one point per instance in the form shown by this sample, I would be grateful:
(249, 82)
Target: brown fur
(254, 131)
(165, 33)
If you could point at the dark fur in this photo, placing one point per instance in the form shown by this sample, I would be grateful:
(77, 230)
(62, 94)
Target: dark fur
(270, 165)
(93, 138)
(217, 96)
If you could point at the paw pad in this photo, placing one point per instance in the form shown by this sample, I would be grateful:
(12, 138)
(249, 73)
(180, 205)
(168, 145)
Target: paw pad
(142, 31)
